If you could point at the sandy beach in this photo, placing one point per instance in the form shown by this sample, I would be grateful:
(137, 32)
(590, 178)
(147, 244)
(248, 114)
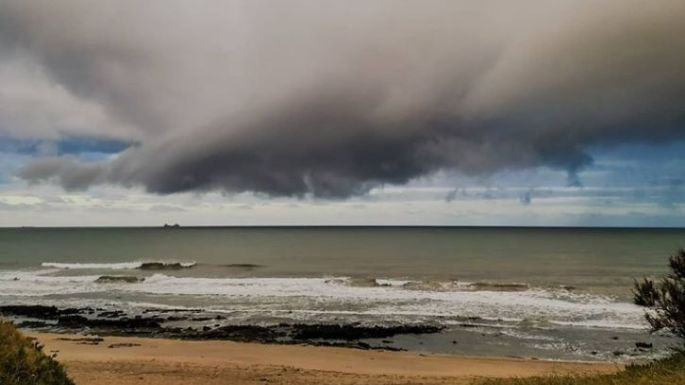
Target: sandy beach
(130, 360)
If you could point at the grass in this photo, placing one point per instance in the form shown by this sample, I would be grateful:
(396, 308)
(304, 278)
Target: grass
(23, 362)
(669, 371)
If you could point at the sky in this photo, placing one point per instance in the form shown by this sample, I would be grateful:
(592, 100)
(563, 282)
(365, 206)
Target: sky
(304, 112)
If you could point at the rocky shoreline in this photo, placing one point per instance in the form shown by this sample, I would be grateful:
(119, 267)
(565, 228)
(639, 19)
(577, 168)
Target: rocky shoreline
(200, 325)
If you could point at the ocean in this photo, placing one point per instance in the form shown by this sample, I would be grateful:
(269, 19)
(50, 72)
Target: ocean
(552, 293)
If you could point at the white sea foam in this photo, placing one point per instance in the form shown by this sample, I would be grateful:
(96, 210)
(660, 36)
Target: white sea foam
(92, 266)
(329, 295)
(41, 283)
(110, 266)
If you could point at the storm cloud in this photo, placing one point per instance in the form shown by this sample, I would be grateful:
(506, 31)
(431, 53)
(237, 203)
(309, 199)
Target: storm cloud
(331, 99)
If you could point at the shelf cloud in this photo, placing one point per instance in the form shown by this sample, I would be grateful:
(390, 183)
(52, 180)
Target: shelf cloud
(331, 99)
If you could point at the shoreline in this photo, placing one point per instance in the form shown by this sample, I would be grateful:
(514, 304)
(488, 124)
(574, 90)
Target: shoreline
(468, 338)
(157, 361)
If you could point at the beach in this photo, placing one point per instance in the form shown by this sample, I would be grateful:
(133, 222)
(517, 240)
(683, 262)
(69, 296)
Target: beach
(325, 192)
(157, 361)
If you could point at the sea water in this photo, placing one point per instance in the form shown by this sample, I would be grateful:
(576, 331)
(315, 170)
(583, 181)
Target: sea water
(542, 292)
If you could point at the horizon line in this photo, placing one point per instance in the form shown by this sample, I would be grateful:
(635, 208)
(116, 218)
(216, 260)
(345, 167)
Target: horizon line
(180, 227)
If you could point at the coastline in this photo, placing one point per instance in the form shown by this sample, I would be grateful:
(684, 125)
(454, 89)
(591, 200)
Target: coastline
(469, 337)
(157, 361)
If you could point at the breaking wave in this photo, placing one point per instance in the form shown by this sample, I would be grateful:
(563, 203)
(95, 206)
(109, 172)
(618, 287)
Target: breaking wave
(394, 298)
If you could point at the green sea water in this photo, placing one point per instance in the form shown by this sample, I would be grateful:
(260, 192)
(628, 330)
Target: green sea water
(604, 260)
(540, 292)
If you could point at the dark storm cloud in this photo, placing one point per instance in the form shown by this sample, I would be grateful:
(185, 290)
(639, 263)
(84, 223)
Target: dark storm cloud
(333, 98)
(70, 173)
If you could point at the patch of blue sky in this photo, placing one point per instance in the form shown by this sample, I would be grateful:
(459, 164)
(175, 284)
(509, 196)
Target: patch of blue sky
(638, 165)
(628, 175)
(65, 146)
(91, 146)
(10, 163)
(15, 153)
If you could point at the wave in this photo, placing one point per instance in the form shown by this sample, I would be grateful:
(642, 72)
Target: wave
(151, 265)
(342, 295)
(92, 266)
(445, 286)
(359, 282)
(428, 285)
(498, 286)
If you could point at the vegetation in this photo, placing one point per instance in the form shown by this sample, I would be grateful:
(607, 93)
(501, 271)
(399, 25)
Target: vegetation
(665, 299)
(670, 371)
(22, 361)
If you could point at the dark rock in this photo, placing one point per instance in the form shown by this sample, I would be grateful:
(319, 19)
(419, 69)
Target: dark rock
(119, 279)
(242, 333)
(77, 322)
(32, 311)
(111, 314)
(32, 324)
(164, 266)
(643, 345)
(353, 332)
(83, 340)
(151, 323)
(72, 310)
(467, 325)
(122, 345)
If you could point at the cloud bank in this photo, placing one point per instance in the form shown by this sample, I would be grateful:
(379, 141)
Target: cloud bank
(331, 99)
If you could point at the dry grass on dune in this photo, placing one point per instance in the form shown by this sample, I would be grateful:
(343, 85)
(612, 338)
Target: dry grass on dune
(670, 371)
(22, 361)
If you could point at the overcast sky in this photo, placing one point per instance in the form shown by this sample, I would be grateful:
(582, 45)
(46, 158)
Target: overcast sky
(534, 112)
